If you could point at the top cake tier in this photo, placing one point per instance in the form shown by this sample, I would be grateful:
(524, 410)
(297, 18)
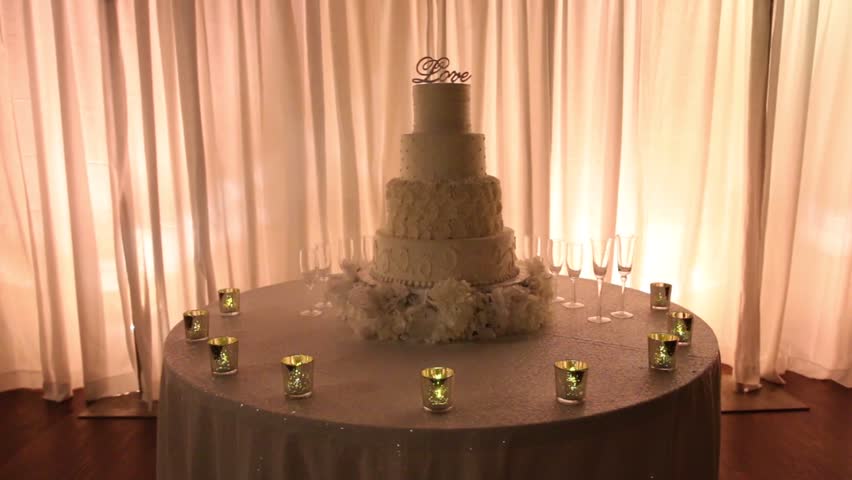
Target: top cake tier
(442, 147)
(442, 108)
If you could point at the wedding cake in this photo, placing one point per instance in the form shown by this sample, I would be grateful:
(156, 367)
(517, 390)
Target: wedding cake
(443, 213)
(444, 265)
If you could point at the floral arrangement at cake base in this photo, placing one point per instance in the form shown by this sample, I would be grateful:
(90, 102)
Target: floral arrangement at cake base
(451, 310)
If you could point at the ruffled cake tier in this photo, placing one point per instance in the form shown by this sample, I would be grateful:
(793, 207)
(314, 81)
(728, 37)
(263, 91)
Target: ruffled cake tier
(467, 208)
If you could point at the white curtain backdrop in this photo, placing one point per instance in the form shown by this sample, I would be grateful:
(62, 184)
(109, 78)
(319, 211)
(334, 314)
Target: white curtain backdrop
(806, 304)
(154, 151)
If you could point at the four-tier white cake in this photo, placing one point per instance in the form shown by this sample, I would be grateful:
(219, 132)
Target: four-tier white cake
(444, 213)
(444, 266)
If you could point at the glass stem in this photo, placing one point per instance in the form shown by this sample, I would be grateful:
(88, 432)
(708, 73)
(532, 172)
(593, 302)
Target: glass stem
(623, 285)
(600, 305)
(555, 285)
(573, 290)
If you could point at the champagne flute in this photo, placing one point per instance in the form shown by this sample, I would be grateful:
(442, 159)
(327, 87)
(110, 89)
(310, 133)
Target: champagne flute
(308, 267)
(348, 253)
(555, 255)
(323, 256)
(600, 259)
(574, 264)
(624, 253)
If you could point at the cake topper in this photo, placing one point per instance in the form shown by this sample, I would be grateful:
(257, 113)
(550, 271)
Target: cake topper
(434, 70)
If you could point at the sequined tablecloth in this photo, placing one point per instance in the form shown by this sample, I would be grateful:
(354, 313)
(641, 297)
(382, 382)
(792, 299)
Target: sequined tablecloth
(365, 419)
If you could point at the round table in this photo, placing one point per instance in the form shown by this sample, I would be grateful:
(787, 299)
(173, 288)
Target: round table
(365, 419)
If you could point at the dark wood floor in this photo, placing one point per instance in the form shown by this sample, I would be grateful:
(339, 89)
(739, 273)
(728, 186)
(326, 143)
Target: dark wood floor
(816, 444)
(43, 440)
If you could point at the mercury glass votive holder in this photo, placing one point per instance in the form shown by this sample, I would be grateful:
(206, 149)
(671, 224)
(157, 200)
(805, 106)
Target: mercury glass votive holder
(436, 387)
(224, 355)
(661, 296)
(196, 324)
(570, 378)
(680, 324)
(298, 372)
(229, 301)
(661, 351)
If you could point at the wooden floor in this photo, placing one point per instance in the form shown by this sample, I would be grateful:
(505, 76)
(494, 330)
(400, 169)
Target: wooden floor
(816, 444)
(43, 440)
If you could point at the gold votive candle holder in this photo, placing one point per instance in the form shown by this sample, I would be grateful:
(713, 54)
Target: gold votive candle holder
(229, 301)
(298, 372)
(570, 376)
(224, 355)
(436, 388)
(680, 324)
(661, 351)
(196, 324)
(661, 296)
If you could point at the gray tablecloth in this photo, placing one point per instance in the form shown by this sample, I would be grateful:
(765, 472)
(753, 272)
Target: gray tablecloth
(365, 419)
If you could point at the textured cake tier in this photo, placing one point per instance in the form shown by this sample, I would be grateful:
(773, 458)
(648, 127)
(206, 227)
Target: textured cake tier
(441, 107)
(421, 263)
(432, 157)
(443, 210)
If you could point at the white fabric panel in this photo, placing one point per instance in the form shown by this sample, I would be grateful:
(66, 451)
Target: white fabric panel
(153, 152)
(61, 302)
(807, 264)
(683, 178)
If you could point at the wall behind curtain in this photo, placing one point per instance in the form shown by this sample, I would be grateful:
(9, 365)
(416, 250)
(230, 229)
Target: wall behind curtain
(156, 151)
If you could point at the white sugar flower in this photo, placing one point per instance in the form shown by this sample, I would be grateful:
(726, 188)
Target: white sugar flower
(389, 297)
(358, 320)
(339, 287)
(538, 309)
(451, 310)
(455, 303)
(539, 281)
(350, 269)
(422, 321)
(359, 296)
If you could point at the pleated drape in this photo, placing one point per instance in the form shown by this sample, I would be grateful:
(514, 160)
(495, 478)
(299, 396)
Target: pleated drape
(154, 151)
(806, 305)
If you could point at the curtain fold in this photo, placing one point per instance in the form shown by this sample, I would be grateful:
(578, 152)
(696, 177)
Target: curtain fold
(807, 264)
(154, 151)
(747, 349)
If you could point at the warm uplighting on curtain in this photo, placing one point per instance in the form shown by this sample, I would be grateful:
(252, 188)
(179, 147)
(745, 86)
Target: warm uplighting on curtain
(153, 152)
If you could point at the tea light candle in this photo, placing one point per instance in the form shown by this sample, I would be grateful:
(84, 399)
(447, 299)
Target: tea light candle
(661, 296)
(661, 351)
(680, 324)
(224, 355)
(196, 325)
(436, 387)
(229, 301)
(298, 371)
(570, 378)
